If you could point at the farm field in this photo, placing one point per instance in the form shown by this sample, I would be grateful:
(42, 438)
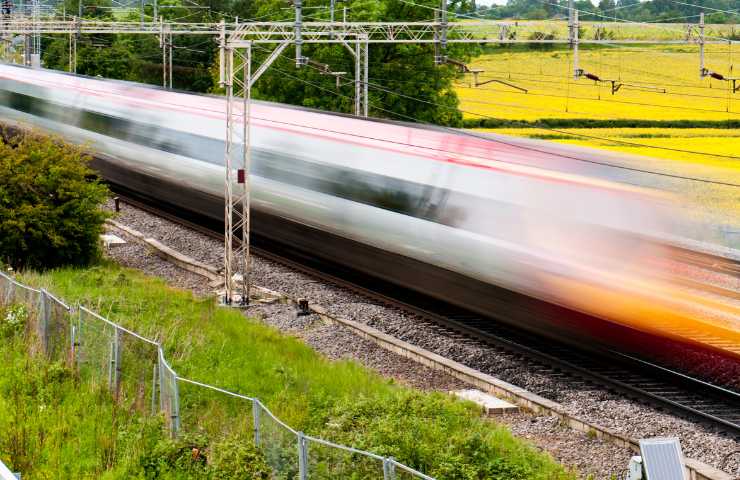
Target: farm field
(619, 30)
(719, 141)
(714, 208)
(655, 82)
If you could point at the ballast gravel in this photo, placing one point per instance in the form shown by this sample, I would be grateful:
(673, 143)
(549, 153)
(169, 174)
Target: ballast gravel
(595, 405)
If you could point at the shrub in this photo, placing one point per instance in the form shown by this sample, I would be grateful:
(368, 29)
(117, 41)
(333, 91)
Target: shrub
(235, 458)
(13, 321)
(193, 456)
(49, 203)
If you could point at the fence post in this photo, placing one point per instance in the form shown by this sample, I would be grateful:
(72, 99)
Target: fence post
(389, 469)
(74, 337)
(43, 320)
(155, 367)
(115, 363)
(111, 354)
(302, 457)
(162, 393)
(72, 344)
(175, 407)
(10, 294)
(256, 411)
(78, 336)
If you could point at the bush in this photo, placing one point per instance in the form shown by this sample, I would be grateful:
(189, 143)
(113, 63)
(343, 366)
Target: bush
(12, 321)
(194, 456)
(49, 203)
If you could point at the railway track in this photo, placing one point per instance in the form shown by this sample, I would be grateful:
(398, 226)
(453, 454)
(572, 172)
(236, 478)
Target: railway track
(637, 379)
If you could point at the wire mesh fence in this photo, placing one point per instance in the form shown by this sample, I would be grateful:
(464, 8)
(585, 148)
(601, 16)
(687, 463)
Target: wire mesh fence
(134, 370)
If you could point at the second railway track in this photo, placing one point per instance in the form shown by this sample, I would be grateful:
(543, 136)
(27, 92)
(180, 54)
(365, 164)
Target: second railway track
(645, 382)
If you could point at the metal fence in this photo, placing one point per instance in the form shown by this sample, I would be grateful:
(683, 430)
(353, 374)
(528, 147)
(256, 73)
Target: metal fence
(135, 372)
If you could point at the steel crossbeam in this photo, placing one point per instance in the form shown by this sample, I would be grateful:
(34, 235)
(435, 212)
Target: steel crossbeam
(313, 32)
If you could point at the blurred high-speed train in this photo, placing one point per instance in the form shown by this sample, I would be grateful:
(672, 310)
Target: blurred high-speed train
(435, 210)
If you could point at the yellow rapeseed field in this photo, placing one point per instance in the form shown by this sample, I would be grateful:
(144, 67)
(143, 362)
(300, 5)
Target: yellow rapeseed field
(655, 83)
(722, 142)
(716, 203)
(618, 30)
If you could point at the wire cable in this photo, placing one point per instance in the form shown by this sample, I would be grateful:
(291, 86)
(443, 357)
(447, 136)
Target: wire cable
(517, 145)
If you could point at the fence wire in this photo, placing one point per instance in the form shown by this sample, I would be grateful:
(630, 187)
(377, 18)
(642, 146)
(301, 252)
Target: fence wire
(134, 370)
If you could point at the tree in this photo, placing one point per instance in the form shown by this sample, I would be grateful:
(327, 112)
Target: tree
(404, 82)
(607, 6)
(49, 204)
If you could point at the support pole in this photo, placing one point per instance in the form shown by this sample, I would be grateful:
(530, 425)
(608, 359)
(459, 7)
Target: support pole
(577, 72)
(221, 55)
(297, 32)
(437, 48)
(246, 213)
(228, 55)
(571, 22)
(74, 43)
(443, 22)
(238, 80)
(702, 69)
(331, 17)
(365, 77)
(163, 46)
(358, 78)
(154, 13)
(169, 50)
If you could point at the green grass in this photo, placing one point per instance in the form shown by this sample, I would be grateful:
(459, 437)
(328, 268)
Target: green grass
(51, 426)
(339, 401)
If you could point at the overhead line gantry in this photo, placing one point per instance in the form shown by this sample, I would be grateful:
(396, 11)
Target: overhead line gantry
(236, 41)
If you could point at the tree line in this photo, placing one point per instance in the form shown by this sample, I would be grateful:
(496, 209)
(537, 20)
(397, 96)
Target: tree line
(717, 11)
(404, 83)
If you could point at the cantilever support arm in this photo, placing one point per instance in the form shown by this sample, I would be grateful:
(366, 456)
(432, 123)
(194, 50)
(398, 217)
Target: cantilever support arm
(495, 80)
(269, 61)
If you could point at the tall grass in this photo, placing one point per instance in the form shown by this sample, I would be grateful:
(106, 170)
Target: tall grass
(53, 427)
(339, 401)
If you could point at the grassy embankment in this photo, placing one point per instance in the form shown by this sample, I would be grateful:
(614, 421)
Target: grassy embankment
(340, 401)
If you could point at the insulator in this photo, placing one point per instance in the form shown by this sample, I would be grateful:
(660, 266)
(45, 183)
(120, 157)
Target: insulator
(591, 76)
(716, 75)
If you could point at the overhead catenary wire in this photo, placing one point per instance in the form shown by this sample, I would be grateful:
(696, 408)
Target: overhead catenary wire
(658, 24)
(607, 100)
(376, 86)
(517, 145)
(704, 7)
(611, 140)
